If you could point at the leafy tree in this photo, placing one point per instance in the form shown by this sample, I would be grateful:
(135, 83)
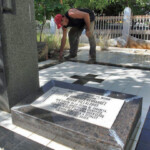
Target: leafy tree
(45, 9)
(110, 7)
(91, 4)
(137, 8)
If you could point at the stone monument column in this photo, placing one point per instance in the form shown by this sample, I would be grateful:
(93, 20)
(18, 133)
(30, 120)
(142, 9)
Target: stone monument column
(18, 52)
(126, 24)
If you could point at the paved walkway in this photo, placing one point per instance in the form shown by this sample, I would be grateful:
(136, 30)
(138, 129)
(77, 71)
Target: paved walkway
(139, 58)
(126, 80)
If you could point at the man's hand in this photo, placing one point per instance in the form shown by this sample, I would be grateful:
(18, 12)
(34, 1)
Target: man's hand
(88, 33)
(60, 55)
(63, 42)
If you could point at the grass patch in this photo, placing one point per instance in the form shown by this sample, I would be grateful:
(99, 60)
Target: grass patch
(103, 42)
(53, 41)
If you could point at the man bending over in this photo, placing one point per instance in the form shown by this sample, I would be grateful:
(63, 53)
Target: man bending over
(78, 20)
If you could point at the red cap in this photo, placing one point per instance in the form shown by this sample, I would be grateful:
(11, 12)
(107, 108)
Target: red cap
(58, 19)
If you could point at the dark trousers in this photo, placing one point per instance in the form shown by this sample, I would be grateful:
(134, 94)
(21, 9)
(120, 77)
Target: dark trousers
(74, 35)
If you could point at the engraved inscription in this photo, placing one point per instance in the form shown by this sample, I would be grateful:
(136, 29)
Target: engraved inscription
(92, 108)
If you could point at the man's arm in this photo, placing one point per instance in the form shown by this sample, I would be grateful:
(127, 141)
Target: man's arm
(63, 42)
(77, 14)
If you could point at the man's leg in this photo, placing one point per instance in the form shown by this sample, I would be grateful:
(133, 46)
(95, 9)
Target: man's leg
(92, 42)
(74, 35)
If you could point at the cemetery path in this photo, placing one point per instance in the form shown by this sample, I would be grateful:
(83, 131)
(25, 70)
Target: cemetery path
(126, 80)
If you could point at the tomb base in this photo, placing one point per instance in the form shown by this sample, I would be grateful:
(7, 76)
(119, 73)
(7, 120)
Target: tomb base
(72, 127)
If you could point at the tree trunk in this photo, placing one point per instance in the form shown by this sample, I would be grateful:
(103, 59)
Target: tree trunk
(127, 3)
(61, 2)
(42, 30)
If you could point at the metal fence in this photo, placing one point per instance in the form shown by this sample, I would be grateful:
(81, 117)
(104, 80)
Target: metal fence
(112, 26)
(140, 27)
(109, 26)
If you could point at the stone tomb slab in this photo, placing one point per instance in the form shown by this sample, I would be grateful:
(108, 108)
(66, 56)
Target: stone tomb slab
(96, 118)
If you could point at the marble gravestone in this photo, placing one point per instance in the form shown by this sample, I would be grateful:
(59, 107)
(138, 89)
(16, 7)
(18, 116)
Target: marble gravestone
(18, 52)
(126, 24)
(97, 118)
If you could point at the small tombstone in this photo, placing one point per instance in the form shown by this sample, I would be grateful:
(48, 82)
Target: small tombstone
(126, 24)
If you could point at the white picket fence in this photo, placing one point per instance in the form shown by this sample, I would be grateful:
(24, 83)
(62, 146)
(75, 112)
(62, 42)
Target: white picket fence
(112, 26)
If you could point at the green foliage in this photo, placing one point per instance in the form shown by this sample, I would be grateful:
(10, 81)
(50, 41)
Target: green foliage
(140, 8)
(99, 6)
(137, 6)
(113, 9)
(53, 41)
(91, 4)
(45, 9)
(70, 3)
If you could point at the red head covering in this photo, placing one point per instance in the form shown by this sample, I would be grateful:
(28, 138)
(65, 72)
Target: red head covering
(57, 20)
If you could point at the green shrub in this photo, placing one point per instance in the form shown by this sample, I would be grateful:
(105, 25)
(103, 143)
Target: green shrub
(53, 41)
(103, 42)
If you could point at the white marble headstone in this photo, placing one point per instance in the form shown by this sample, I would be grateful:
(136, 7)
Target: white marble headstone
(92, 108)
(126, 23)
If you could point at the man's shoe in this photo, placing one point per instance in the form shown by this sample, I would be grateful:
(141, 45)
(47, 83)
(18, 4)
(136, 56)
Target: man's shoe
(92, 60)
(69, 57)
